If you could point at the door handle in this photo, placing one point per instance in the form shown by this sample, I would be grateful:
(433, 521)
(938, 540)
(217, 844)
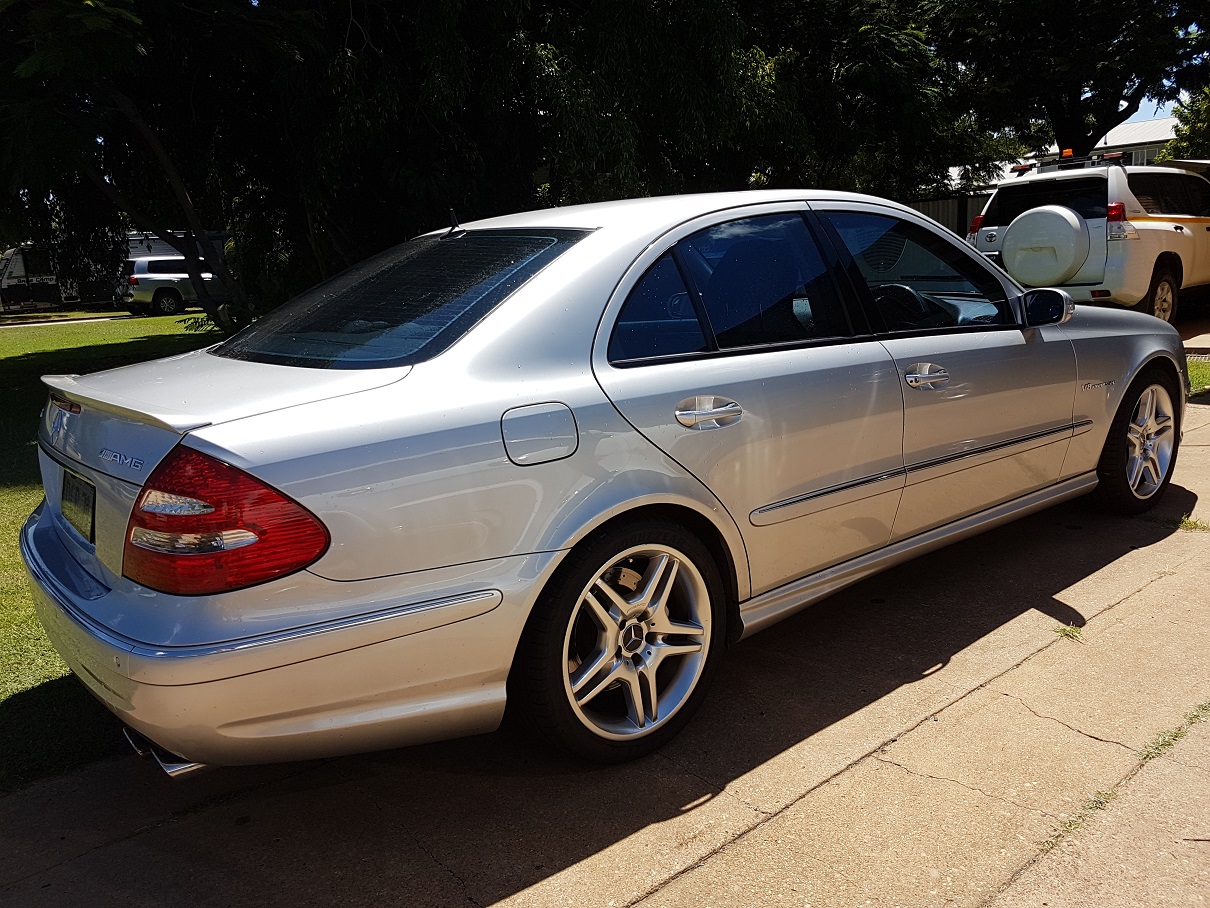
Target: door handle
(708, 413)
(926, 379)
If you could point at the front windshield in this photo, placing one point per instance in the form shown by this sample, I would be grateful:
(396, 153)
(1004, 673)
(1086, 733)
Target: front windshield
(403, 306)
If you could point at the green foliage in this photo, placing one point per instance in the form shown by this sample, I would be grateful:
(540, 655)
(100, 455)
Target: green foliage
(321, 131)
(1192, 137)
(1068, 71)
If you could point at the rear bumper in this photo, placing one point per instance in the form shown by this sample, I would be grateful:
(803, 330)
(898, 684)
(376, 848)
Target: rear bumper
(1126, 285)
(419, 671)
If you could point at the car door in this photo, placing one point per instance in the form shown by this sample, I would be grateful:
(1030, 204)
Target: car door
(729, 347)
(987, 402)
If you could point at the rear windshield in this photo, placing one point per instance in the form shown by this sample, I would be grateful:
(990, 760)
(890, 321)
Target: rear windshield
(1086, 196)
(403, 306)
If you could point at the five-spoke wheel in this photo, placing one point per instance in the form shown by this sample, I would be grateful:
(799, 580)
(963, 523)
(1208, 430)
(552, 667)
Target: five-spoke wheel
(621, 644)
(1140, 452)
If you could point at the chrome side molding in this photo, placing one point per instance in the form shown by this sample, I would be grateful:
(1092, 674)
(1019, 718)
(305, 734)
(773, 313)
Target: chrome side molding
(769, 608)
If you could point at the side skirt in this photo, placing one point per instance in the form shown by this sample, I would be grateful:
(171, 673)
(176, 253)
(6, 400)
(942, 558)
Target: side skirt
(762, 611)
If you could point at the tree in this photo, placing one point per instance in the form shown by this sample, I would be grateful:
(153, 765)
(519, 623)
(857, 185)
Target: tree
(1192, 139)
(1081, 68)
(77, 107)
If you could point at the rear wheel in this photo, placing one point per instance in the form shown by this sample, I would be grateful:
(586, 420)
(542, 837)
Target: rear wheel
(622, 643)
(1162, 298)
(1140, 453)
(167, 302)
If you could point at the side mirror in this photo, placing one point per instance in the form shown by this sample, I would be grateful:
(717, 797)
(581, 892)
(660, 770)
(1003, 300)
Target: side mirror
(1047, 306)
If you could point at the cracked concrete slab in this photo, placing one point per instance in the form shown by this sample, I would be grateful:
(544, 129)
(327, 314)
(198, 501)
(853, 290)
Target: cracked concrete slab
(1148, 846)
(1138, 669)
(995, 744)
(879, 834)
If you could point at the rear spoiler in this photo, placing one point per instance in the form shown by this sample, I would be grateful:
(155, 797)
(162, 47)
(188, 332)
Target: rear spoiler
(66, 386)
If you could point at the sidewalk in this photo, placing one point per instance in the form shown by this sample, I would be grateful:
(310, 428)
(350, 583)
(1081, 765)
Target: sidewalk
(926, 738)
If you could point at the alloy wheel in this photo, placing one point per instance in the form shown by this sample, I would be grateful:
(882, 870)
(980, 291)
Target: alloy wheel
(637, 642)
(1150, 440)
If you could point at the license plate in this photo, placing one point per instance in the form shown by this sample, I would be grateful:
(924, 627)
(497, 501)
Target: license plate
(79, 503)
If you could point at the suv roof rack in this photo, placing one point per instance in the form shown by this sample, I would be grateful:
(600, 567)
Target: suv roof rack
(1070, 163)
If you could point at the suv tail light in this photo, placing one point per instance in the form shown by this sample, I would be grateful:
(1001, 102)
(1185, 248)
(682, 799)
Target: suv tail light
(202, 526)
(975, 225)
(1116, 213)
(132, 281)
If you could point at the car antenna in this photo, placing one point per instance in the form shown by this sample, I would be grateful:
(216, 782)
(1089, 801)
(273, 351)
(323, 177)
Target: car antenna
(455, 227)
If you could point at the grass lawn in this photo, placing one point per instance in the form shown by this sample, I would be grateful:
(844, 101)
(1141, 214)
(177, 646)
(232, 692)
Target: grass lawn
(50, 723)
(1199, 374)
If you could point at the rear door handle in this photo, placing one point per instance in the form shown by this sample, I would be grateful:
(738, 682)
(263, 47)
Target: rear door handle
(708, 412)
(923, 379)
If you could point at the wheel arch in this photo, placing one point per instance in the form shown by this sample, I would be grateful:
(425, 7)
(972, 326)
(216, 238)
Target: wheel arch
(1172, 262)
(705, 530)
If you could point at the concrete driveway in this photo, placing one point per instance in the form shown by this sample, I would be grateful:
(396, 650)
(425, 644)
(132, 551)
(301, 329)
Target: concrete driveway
(925, 738)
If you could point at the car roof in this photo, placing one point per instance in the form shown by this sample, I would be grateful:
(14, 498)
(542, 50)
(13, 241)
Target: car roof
(1076, 173)
(659, 213)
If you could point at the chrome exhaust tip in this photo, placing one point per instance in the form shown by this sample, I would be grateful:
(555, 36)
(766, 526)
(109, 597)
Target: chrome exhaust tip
(173, 764)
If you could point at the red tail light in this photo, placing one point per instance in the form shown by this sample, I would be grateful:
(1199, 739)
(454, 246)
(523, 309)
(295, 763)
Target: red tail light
(1116, 213)
(132, 281)
(976, 224)
(202, 526)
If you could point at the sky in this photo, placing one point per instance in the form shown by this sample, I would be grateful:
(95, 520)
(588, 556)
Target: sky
(1149, 110)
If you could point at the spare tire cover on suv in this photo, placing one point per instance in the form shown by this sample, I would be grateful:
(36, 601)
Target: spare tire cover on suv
(1045, 246)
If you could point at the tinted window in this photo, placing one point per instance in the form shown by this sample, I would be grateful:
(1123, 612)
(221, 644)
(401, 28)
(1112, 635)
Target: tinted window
(403, 306)
(166, 266)
(917, 278)
(1171, 193)
(1197, 191)
(658, 318)
(1086, 196)
(762, 281)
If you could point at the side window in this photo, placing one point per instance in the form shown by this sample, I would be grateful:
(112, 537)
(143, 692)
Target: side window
(166, 266)
(763, 281)
(657, 318)
(1197, 196)
(918, 279)
(1146, 189)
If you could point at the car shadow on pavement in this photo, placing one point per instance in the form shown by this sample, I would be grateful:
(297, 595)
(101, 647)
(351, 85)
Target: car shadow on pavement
(478, 820)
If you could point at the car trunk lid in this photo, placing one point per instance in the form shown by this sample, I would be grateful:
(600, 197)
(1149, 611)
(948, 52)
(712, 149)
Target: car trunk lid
(122, 422)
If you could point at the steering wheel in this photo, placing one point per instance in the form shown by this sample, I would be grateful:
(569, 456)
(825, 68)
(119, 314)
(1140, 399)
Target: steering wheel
(904, 308)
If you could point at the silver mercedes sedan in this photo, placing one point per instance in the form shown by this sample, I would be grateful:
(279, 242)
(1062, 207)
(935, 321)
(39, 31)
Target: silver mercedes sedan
(560, 461)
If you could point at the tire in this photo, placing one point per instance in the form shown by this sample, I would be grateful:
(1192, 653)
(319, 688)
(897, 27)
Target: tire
(167, 302)
(1163, 296)
(1046, 246)
(622, 643)
(1140, 452)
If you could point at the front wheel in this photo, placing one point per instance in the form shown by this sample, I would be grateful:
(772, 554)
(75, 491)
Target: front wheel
(622, 643)
(1140, 453)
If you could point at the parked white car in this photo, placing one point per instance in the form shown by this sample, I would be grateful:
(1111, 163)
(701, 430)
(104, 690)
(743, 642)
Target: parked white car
(1133, 236)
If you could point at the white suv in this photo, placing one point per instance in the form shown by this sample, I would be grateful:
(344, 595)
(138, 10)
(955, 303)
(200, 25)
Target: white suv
(1134, 236)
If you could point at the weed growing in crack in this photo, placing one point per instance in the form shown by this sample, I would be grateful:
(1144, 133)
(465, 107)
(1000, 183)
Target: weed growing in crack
(1164, 741)
(1070, 632)
(1099, 801)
